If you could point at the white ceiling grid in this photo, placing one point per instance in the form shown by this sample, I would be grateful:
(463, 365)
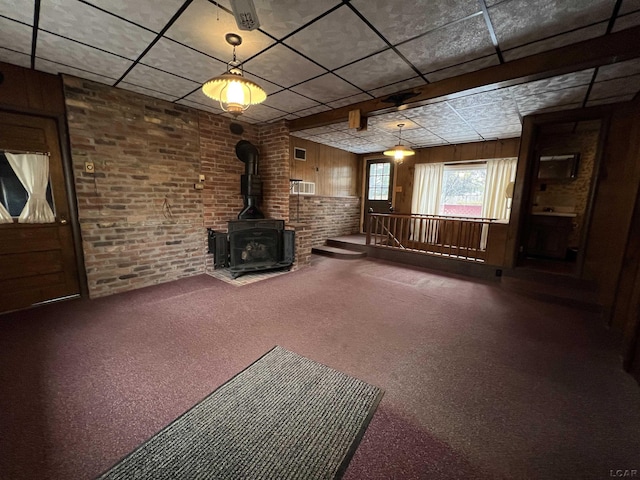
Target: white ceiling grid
(315, 56)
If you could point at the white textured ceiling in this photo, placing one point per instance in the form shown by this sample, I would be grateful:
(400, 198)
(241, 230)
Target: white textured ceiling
(315, 56)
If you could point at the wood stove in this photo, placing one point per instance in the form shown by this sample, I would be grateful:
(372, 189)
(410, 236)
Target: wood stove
(253, 245)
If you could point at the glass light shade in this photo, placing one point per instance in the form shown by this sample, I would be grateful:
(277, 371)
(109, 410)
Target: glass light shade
(234, 92)
(399, 152)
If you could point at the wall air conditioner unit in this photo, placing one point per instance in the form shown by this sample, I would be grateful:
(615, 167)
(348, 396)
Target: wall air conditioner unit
(303, 188)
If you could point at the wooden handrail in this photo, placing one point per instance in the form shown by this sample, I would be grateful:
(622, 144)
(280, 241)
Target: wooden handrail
(457, 237)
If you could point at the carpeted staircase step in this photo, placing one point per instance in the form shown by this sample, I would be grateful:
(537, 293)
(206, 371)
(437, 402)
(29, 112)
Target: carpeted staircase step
(337, 252)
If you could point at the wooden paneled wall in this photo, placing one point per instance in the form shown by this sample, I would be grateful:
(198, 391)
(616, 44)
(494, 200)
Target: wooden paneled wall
(335, 172)
(449, 153)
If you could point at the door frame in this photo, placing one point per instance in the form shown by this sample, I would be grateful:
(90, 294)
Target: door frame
(67, 170)
(365, 179)
(527, 168)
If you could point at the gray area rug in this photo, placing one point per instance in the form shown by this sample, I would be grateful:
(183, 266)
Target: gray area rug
(283, 417)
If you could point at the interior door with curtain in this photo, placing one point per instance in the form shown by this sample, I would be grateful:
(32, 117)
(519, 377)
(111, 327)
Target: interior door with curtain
(37, 252)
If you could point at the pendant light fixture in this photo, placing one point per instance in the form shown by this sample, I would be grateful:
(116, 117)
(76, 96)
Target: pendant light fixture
(399, 151)
(234, 92)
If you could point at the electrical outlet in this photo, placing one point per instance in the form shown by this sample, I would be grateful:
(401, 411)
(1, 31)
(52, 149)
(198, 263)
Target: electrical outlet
(198, 186)
(89, 167)
(201, 177)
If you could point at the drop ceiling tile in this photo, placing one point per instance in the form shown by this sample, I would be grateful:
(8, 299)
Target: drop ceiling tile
(20, 11)
(554, 108)
(166, 83)
(627, 21)
(629, 6)
(94, 27)
(505, 110)
(268, 87)
(517, 22)
(377, 70)
(16, 36)
(397, 87)
(15, 58)
(203, 26)
(541, 101)
(55, 68)
(481, 99)
(420, 136)
(261, 113)
(451, 45)
(415, 18)
(337, 39)
(152, 14)
(281, 17)
(360, 97)
(465, 67)
(326, 88)
(62, 50)
(432, 110)
(289, 101)
(175, 58)
(617, 70)
(283, 66)
(557, 41)
(559, 82)
(618, 87)
(146, 91)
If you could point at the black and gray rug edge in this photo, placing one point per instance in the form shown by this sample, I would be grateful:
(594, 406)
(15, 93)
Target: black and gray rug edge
(348, 455)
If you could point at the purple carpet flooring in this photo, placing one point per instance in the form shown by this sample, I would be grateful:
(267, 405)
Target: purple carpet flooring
(479, 382)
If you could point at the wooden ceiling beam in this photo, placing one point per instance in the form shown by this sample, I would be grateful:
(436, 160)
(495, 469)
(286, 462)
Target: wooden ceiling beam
(604, 50)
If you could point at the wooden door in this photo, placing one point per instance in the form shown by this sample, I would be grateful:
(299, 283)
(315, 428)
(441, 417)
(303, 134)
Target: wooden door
(378, 194)
(37, 261)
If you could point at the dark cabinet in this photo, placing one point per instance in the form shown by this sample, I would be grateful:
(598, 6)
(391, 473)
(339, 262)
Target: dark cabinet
(549, 235)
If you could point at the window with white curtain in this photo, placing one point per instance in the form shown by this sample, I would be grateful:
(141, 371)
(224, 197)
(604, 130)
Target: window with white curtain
(464, 189)
(14, 197)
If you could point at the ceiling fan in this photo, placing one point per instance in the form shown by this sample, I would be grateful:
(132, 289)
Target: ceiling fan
(245, 13)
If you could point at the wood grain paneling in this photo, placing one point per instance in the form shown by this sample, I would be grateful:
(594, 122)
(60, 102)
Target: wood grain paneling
(30, 90)
(335, 172)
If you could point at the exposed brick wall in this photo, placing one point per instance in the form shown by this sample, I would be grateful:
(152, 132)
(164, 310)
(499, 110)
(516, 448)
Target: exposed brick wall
(140, 217)
(222, 200)
(326, 216)
(274, 169)
(303, 245)
(142, 220)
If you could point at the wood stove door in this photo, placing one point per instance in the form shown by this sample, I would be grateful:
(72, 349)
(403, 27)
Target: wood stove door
(378, 189)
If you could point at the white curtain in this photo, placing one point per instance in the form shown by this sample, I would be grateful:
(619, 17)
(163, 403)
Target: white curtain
(5, 217)
(427, 188)
(500, 172)
(32, 169)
